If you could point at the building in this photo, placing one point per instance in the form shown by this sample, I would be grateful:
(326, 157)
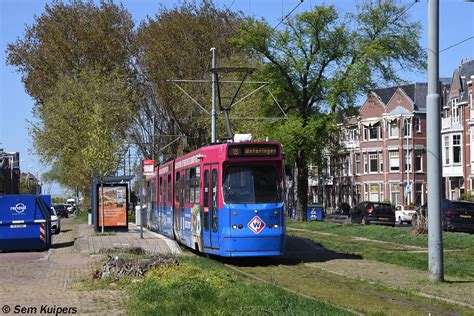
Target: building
(9, 172)
(457, 134)
(384, 156)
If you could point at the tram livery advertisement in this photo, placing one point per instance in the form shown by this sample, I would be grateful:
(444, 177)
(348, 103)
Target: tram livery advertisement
(223, 199)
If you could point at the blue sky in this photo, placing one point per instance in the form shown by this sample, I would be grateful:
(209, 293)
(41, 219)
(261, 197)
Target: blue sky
(456, 24)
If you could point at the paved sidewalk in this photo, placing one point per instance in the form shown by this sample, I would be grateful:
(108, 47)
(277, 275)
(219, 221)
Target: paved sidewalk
(91, 242)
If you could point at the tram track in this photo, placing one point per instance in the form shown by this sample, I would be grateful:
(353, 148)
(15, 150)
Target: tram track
(249, 275)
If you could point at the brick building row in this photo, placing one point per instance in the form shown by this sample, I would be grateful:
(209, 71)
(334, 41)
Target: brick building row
(385, 157)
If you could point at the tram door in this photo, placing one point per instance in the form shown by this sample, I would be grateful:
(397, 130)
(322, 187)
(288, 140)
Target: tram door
(211, 214)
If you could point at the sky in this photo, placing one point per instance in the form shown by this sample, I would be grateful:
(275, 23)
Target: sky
(456, 25)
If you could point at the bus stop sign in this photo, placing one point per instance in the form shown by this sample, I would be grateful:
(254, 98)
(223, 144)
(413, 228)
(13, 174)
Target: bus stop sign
(148, 167)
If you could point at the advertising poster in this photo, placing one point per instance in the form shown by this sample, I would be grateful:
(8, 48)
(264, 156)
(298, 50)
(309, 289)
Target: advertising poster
(115, 206)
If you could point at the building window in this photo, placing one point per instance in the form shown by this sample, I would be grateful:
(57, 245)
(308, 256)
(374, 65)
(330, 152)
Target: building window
(456, 148)
(417, 124)
(394, 161)
(373, 160)
(357, 160)
(455, 110)
(446, 150)
(418, 194)
(418, 160)
(366, 191)
(393, 130)
(374, 192)
(395, 193)
(407, 155)
(407, 128)
(373, 131)
(381, 161)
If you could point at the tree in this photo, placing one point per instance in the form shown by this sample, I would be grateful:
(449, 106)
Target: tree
(75, 64)
(322, 60)
(81, 131)
(68, 38)
(175, 44)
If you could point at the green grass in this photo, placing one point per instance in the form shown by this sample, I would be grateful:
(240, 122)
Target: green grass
(458, 261)
(202, 287)
(81, 217)
(199, 286)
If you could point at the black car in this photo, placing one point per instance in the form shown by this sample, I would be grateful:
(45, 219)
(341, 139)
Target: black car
(373, 213)
(458, 216)
(61, 210)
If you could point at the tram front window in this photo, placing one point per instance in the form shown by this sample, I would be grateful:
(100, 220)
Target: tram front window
(251, 185)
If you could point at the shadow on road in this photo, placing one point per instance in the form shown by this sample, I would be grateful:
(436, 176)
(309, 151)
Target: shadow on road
(297, 250)
(63, 244)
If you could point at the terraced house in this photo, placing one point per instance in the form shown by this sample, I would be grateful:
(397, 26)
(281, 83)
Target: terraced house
(457, 134)
(384, 157)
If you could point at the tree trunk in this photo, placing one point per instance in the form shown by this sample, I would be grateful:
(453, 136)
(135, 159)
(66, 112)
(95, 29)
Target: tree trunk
(302, 185)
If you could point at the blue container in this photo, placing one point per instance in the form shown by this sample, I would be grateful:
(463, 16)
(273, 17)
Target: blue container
(24, 223)
(314, 213)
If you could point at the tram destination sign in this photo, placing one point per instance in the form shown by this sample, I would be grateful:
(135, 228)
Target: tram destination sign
(253, 150)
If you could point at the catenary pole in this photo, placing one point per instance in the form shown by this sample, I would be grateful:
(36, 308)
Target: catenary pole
(141, 200)
(214, 89)
(435, 233)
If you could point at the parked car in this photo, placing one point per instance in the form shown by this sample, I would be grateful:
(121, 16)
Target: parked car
(55, 222)
(373, 213)
(61, 210)
(404, 213)
(71, 205)
(458, 216)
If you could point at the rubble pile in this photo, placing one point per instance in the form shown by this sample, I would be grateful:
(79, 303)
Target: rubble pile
(118, 267)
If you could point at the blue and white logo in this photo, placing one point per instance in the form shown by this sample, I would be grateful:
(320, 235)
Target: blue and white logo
(20, 208)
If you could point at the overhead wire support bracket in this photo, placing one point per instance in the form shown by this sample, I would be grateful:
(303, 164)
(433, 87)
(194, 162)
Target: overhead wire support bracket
(189, 96)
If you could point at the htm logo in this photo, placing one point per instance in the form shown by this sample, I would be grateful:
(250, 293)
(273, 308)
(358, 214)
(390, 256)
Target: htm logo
(256, 225)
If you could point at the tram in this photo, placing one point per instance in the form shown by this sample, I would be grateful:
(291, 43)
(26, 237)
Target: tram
(223, 199)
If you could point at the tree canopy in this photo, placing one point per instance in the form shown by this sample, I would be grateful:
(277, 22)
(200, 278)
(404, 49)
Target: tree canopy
(322, 60)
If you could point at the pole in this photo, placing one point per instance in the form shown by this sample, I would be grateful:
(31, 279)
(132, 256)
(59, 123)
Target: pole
(153, 138)
(214, 89)
(435, 233)
(407, 157)
(141, 200)
(103, 202)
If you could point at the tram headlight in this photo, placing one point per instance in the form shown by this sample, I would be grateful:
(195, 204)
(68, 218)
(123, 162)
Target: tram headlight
(241, 226)
(275, 226)
(234, 226)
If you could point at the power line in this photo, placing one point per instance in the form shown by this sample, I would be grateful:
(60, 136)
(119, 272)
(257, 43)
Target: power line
(456, 44)
(288, 15)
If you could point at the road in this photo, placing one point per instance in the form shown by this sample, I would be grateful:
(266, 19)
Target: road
(37, 282)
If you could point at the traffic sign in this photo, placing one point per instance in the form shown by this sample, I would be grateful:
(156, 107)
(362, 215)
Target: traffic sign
(256, 224)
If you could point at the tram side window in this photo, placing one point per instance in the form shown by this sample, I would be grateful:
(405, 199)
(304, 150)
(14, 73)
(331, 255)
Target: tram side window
(170, 193)
(192, 185)
(164, 188)
(160, 188)
(177, 188)
(206, 200)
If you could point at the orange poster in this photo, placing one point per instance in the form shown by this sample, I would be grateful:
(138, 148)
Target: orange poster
(115, 206)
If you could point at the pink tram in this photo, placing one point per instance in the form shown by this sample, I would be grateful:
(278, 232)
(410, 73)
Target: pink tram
(224, 199)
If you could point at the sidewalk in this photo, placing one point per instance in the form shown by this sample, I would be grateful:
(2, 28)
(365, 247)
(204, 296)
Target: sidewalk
(91, 242)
